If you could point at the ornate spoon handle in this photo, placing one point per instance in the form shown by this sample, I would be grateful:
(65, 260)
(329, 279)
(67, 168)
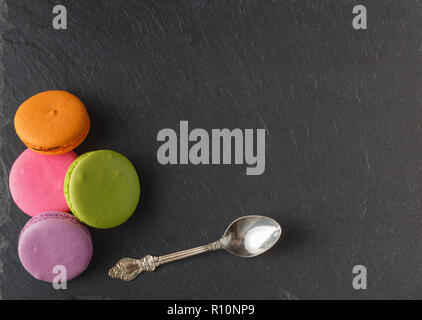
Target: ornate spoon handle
(128, 269)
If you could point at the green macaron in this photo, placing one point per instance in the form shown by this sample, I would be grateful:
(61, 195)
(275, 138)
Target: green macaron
(102, 189)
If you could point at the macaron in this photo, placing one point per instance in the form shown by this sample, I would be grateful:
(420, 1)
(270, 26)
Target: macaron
(54, 239)
(36, 181)
(102, 189)
(52, 122)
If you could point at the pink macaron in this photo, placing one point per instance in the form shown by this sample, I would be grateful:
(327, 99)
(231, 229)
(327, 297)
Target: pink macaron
(36, 181)
(55, 243)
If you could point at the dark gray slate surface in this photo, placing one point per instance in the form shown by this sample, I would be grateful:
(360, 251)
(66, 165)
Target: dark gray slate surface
(343, 114)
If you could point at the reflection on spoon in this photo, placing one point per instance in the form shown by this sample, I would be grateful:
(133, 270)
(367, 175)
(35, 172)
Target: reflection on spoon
(259, 238)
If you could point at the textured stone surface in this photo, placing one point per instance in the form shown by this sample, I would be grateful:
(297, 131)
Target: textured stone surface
(343, 113)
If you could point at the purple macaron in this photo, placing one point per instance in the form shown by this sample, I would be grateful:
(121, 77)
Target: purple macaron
(54, 239)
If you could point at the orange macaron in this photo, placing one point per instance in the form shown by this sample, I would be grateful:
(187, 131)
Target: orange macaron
(52, 122)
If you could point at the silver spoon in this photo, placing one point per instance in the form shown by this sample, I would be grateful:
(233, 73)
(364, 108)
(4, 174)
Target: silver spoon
(246, 237)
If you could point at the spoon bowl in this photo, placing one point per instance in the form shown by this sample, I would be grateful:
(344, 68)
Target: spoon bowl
(251, 236)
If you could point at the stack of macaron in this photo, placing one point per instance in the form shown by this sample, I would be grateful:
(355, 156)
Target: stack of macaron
(48, 182)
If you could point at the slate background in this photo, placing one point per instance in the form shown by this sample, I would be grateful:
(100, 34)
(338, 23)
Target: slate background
(342, 109)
